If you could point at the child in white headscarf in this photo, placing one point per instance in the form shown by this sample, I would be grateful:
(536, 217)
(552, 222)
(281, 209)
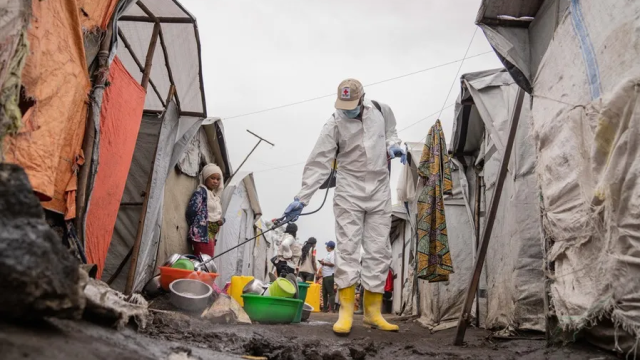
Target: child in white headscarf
(204, 212)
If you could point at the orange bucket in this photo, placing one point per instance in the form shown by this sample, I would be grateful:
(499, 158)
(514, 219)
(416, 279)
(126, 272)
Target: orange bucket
(169, 275)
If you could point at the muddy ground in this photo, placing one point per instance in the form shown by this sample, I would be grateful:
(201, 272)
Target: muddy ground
(175, 336)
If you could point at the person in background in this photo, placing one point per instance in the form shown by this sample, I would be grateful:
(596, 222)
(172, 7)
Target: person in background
(204, 211)
(289, 252)
(328, 265)
(308, 267)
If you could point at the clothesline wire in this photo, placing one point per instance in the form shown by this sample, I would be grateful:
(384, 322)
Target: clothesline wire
(424, 118)
(366, 85)
(455, 79)
(405, 128)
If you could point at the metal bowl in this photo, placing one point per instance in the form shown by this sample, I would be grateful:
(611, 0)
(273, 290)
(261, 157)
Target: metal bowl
(190, 295)
(207, 266)
(306, 311)
(153, 287)
(254, 287)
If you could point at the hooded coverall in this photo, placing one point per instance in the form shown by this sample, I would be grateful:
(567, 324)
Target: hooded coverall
(362, 200)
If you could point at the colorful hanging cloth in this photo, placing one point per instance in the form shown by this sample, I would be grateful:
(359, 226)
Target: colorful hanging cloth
(434, 258)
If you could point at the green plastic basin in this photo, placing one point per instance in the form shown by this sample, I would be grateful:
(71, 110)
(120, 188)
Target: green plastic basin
(271, 309)
(302, 295)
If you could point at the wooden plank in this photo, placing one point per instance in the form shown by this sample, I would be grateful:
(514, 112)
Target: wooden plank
(463, 321)
(161, 19)
(476, 216)
(127, 45)
(143, 215)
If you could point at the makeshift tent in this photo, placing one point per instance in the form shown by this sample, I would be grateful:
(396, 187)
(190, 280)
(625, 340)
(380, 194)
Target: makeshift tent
(167, 140)
(159, 46)
(580, 59)
(513, 282)
(49, 143)
(241, 209)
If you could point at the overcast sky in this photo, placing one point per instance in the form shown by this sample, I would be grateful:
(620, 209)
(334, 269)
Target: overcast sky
(260, 54)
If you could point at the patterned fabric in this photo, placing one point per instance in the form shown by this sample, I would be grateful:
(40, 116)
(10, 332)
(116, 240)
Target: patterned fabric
(434, 258)
(197, 215)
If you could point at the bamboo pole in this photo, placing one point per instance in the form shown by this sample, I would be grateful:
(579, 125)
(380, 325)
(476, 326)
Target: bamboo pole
(149, 60)
(128, 46)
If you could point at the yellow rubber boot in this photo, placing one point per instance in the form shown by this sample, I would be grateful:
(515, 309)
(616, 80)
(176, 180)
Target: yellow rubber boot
(372, 312)
(347, 304)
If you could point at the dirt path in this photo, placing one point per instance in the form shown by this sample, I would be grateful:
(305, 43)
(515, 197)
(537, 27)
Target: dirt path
(173, 336)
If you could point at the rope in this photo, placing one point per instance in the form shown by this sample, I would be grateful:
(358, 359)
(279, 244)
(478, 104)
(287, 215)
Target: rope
(455, 79)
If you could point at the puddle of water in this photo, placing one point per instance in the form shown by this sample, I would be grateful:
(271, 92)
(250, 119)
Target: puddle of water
(316, 323)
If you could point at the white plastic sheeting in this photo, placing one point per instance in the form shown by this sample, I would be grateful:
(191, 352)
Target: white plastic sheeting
(400, 236)
(182, 63)
(241, 209)
(585, 126)
(586, 134)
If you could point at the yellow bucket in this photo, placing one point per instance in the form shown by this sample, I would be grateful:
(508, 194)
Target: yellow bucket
(237, 284)
(313, 296)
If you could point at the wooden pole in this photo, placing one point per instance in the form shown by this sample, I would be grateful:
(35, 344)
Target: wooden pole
(476, 216)
(547, 271)
(404, 243)
(127, 45)
(143, 215)
(149, 60)
(463, 321)
(157, 20)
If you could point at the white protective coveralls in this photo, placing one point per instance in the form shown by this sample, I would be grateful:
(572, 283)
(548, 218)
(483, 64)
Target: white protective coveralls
(362, 200)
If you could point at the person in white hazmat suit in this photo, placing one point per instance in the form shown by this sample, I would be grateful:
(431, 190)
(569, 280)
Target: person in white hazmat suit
(363, 135)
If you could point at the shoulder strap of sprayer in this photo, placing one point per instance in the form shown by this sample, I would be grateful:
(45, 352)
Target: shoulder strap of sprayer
(377, 105)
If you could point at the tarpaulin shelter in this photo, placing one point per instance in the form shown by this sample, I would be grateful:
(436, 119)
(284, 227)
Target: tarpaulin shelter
(241, 210)
(158, 45)
(512, 284)
(579, 62)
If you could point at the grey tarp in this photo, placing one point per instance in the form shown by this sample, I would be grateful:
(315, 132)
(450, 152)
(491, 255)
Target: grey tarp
(175, 135)
(241, 209)
(515, 281)
(585, 133)
(173, 139)
(126, 226)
